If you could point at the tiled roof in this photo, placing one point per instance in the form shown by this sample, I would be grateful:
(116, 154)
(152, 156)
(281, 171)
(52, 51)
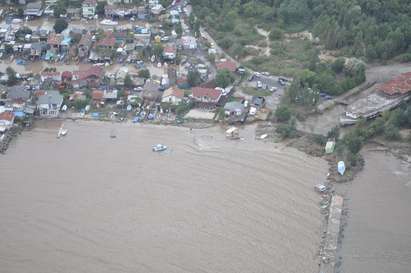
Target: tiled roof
(229, 65)
(94, 71)
(108, 40)
(172, 91)
(97, 95)
(200, 92)
(397, 86)
(54, 39)
(9, 116)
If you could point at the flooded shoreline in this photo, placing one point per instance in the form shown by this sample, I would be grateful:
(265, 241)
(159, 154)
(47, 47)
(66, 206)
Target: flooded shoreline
(376, 236)
(89, 203)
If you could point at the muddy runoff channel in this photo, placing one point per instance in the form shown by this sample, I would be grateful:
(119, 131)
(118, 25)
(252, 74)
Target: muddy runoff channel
(91, 203)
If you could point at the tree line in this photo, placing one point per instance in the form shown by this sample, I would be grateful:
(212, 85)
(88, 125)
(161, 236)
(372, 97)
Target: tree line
(373, 29)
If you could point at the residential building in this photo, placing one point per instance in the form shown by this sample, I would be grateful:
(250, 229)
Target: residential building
(89, 8)
(110, 95)
(87, 78)
(18, 93)
(6, 120)
(234, 109)
(169, 53)
(173, 96)
(34, 9)
(227, 65)
(49, 104)
(97, 96)
(189, 42)
(206, 95)
(151, 91)
(84, 46)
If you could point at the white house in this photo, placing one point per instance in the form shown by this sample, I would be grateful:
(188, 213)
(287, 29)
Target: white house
(169, 53)
(49, 104)
(6, 120)
(189, 42)
(173, 96)
(115, 2)
(89, 8)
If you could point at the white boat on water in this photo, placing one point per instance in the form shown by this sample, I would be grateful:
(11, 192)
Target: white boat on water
(62, 132)
(159, 148)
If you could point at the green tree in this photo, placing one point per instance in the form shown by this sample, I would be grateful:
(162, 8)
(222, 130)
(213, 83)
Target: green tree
(287, 130)
(60, 25)
(179, 30)
(196, 29)
(59, 10)
(283, 113)
(20, 12)
(224, 78)
(158, 50)
(144, 73)
(128, 82)
(100, 8)
(11, 74)
(193, 78)
(338, 65)
(276, 34)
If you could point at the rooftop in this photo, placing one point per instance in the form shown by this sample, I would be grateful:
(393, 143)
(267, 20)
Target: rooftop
(229, 65)
(397, 86)
(200, 92)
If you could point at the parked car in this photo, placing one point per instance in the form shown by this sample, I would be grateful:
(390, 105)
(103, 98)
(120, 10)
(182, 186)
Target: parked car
(259, 84)
(273, 89)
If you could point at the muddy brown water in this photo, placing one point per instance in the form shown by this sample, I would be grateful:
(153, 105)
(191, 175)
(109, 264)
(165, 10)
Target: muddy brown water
(377, 237)
(90, 203)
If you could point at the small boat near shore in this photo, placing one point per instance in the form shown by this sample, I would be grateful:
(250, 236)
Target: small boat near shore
(62, 132)
(113, 134)
(159, 148)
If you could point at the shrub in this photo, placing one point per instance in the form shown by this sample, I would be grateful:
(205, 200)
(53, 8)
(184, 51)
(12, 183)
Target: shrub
(392, 132)
(283, 113)
(276, 34)
(287, 130)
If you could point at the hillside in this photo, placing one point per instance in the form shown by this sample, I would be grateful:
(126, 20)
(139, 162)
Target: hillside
(368, 29)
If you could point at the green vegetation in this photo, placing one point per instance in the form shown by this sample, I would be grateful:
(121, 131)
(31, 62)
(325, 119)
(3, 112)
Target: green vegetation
(256, 92)
(11, 74)
(193, 78)
(144, 73)
(283, 113)
(288, 129)
(388, 126)
(375, 29)
(60, 25)
(224, 78)
(100, 8)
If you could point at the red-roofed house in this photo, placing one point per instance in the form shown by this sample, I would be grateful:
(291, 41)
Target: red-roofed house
(6, 119)
(54, 41)
(169, 53)
(97, 96)
(90, 77)
(173, 95)
(400, 85)
(108, 42)
(206, 95)
(227, 64)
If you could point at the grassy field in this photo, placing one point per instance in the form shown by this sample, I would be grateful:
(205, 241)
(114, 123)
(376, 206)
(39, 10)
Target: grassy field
(287, 57)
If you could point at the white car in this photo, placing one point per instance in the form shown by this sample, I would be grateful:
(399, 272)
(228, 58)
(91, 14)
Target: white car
(273, 89)
(259, 84)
